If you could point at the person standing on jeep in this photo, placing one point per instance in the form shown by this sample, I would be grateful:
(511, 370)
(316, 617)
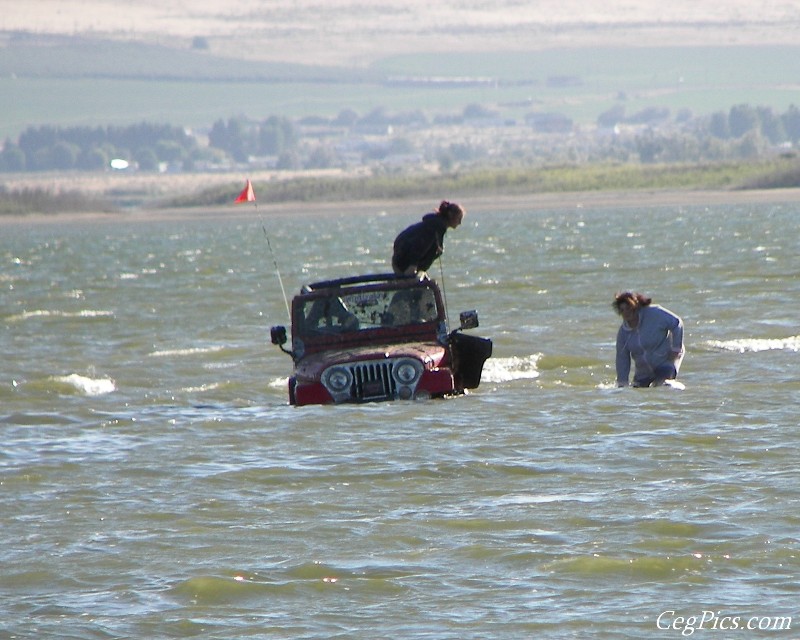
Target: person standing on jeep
(417, 246)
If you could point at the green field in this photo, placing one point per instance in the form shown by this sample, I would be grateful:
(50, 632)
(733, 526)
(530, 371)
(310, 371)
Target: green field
(83, 82)
(777, 173)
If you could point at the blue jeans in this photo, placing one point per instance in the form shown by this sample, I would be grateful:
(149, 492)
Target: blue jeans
(666, 371)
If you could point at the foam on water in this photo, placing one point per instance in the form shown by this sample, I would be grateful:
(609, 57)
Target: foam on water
(86, 386)
(189, 351)
(46, 313)
(510, 368)
(744, 345)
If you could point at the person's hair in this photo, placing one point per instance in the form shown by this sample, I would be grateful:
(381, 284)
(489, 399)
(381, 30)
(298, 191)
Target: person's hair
(450, 210)
(630, 298)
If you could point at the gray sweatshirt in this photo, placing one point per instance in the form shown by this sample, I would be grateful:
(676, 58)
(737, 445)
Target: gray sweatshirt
(651, 344)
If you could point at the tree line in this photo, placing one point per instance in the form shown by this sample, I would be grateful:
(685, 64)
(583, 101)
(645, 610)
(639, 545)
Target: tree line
(149, 147)
(47, 148)
(743, 131)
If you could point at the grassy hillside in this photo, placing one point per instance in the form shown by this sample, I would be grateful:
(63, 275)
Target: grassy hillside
(82, 57)
(184, 191)
(778, 173)
(79, 81)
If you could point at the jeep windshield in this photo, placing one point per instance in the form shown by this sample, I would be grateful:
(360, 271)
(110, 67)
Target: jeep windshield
(355, 309)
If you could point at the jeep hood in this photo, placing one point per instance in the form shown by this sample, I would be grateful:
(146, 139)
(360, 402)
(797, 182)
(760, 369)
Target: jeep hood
(311, 367)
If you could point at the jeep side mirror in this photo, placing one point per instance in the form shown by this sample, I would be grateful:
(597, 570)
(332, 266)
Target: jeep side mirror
(468, 319)
(278, 335)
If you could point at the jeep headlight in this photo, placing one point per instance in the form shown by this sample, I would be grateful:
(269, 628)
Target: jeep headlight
(407, 372)
(337, 379)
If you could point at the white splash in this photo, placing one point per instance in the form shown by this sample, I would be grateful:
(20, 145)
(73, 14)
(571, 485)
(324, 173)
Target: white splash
(744, 345)
(202, 388)
(185, 352)
(507, 369)
(88, 386)
(44, 313)
(278, 383)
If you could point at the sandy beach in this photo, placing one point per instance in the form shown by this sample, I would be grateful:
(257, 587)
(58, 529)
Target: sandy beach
(568, 201)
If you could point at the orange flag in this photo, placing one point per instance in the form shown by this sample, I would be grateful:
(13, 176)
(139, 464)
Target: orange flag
(247, 194)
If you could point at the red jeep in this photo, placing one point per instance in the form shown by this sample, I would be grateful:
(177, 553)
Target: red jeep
(378, 337)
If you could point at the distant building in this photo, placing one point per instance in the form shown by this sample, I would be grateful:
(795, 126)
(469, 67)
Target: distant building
(549, 122)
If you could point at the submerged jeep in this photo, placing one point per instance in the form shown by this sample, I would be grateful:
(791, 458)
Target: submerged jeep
(378, 337)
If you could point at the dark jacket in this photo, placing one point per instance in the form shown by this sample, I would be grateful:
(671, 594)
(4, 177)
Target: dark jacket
(420, 244)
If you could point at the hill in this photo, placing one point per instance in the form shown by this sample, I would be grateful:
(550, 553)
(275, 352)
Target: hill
(356, 33)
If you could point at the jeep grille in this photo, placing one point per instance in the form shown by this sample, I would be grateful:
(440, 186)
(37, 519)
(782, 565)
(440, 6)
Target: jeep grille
(373, 380)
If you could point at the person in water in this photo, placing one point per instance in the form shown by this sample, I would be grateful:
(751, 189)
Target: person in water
(417, 246)
(651, 336)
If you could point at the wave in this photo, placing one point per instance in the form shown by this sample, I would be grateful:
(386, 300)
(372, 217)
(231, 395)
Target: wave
(191, 351)
(310, 577)
(744, 345)
(639, 567)
(86, 386)
(495, 370)
(211, 386)
(513, 368)
(36, 419)
(43, 313)
(278, 383)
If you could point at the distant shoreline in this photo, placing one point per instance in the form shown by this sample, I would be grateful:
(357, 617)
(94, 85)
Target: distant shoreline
(416, 206)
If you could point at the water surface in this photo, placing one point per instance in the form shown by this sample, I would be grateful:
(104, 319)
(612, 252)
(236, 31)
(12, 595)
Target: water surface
(154, 482)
